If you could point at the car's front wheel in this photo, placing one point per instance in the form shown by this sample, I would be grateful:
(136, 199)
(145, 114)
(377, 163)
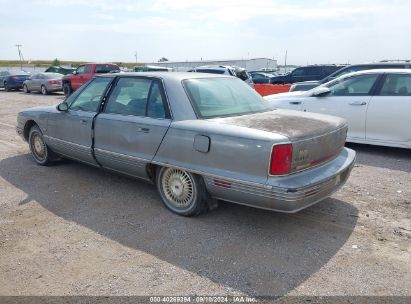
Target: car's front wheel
(44, 90)
(6, 87)
(182, 192)
(25, 88)
(39, 150)
(67, 90)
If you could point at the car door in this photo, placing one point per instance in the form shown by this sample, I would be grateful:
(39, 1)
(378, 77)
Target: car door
(3, 75)
(348, 98)
(70, 132)
(77, 78)
(35, 82)
(132, 125)
(388, 116)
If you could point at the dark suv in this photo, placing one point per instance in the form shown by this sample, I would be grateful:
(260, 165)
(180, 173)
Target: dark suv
(307, 85)
(309, 72)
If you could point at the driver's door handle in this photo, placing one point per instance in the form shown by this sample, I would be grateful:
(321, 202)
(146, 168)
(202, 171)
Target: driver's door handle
(358, 103)
(84, 121)
(295, 102)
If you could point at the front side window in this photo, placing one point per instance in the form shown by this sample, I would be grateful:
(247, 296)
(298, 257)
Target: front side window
(298, 72)
(89, 98)
(87, 69)
(80, 69)
(352, 86)
(216, 97)
(396, 85)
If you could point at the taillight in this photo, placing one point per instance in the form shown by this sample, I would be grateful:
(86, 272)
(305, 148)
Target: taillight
(54, 81)
(281, 159)
(14, 77)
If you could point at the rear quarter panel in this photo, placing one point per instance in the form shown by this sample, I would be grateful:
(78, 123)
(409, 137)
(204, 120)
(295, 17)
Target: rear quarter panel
(235, 152)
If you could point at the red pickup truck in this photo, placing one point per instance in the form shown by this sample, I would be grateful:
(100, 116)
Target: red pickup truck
(84, 73)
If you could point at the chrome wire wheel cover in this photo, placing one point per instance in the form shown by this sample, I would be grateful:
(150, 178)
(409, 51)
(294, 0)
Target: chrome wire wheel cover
(178, 187)
(38, 147)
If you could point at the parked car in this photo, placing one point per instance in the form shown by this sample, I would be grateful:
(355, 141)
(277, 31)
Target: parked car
(84, 73)
(44, 83)
(198, 137)
(59, 69)
(225, 70)
(12, 80)
(260, 77)
(308, 85)
(376, 104)
(305, 73)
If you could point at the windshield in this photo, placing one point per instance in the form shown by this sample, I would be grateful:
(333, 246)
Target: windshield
(216, 97)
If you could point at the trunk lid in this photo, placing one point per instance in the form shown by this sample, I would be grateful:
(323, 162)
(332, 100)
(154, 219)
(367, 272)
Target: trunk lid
(316, 138)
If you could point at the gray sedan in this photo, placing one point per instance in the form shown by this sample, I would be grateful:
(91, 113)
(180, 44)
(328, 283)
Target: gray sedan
(198, 137)
(44, 83)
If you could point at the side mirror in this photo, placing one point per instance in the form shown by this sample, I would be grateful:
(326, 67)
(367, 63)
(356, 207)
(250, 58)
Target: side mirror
(63, 107)
(74, 72)
(320, 92)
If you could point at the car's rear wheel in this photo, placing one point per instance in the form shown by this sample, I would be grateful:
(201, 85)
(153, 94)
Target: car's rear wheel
(39, 150)
(25, 88)
(182, 192)
(44, 90)
(67, 90)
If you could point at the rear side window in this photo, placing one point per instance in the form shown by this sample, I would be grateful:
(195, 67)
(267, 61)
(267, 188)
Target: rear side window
(137, 97)
(396, 85)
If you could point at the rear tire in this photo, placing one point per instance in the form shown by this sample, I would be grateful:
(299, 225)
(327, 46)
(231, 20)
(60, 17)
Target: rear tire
(39, 150)
(26, 89)
(182, 192)
(43, 90)
(6, 87)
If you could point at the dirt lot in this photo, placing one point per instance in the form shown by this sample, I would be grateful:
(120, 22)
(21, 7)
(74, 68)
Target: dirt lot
(70, 229)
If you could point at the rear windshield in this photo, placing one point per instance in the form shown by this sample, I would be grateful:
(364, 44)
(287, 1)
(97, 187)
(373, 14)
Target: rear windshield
(19, 73)
(106, 68)
(53, 75)
(217, 97)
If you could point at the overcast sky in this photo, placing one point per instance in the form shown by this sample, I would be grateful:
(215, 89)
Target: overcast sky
(323, 31)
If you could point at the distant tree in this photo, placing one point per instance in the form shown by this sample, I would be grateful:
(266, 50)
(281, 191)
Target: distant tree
(56, 62)
(162, 59)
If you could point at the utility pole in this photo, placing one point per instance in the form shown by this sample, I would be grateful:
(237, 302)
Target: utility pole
(135, 55)
(285, 62)
(20, 55)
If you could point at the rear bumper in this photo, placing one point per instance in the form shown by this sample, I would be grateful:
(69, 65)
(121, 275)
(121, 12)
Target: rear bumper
(288, 193)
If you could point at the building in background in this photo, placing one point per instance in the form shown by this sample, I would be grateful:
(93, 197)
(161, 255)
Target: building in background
(254, 64)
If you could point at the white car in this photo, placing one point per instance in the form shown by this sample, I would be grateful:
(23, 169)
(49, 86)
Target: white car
(376, 104)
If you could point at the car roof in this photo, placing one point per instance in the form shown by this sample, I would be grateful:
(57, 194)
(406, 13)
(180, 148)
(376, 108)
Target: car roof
(166, 75)
(380, 71)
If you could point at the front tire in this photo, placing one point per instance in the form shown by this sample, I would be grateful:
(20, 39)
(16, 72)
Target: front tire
(67, 90)
(6, 87)
(41, 153)
(44, 90)
(181, 192)
(25, 88)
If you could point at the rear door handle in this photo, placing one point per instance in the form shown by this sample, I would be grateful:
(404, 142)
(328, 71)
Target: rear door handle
(84, 121)
(358, 103)
(145, 130)
(295, 102)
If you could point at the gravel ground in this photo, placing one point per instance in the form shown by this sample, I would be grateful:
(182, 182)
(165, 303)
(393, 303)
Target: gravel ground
(70, 229)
